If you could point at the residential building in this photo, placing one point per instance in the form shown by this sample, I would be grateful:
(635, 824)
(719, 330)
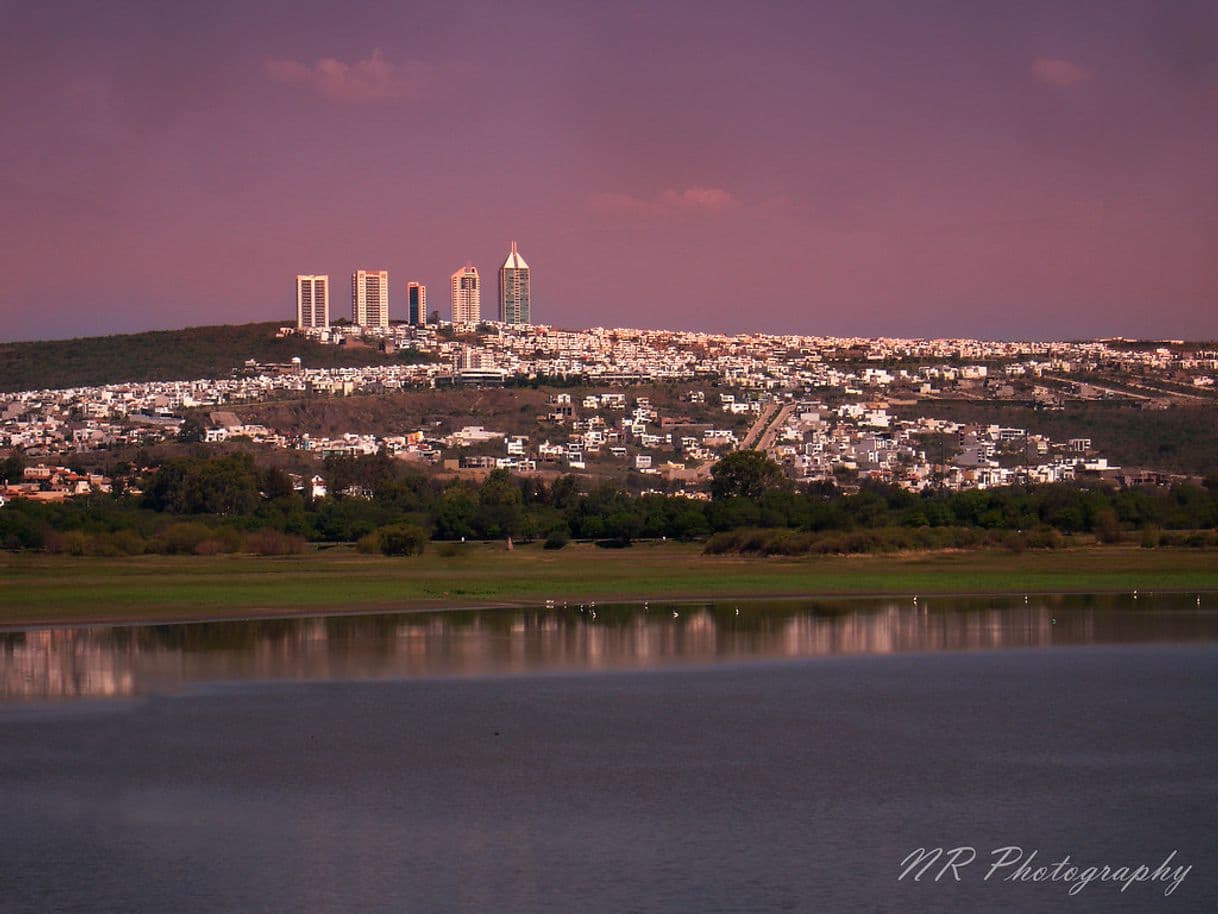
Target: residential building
(515, 289)
(466, 297)
(416, 299)
(312, 301)
(370, 298)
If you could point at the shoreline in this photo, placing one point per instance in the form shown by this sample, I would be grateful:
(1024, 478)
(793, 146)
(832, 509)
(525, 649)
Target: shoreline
(38, 591)
(419, 607)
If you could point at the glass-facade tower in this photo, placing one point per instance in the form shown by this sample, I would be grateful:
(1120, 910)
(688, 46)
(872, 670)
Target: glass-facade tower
(515, 289)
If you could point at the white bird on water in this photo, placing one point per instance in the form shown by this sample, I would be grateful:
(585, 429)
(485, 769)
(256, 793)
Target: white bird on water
(675, 614)
(738, 610)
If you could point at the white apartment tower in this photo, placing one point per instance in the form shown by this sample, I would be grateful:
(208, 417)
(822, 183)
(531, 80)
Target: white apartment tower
(312, 301)
(515, 289)
(466, 299)
(370, 298)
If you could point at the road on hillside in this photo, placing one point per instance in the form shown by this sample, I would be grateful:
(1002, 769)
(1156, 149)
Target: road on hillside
(757, 428)
(771, 431)
(1131, 390)
(762, 433)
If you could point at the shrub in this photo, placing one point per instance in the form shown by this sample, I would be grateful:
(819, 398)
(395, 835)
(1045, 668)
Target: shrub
(78, 542)
(557, 538)
(785, 542)
(128, 542)
(195, 538)
(1014, 541)
(69, 542)
(1107, 527)
(721, 543)
(121, 542)
(1045, 538)
(181, 539)
(213, 545)
(782, 541)
(369, 543)
(272, 542)
(403, 539)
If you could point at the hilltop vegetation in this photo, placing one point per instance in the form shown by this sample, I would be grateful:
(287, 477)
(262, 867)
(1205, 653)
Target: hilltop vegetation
(165, 355)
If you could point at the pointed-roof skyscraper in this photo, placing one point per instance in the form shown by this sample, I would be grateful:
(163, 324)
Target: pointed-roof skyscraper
(515, 289)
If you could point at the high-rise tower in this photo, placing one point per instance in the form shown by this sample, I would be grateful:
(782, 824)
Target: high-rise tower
(515, 289)
(312, 301)
(416, 300)
(466, 299)
(370, 298)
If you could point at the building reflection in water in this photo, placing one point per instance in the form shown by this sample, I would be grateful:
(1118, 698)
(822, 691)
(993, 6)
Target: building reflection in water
(98, 661)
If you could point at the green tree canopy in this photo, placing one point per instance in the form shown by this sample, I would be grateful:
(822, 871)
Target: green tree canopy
(747, 474)
(221, 485)
(500, 506)
(12, 468)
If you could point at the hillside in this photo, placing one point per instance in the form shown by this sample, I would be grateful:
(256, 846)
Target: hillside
(163, 355)
(1182, 439)
(512, 410)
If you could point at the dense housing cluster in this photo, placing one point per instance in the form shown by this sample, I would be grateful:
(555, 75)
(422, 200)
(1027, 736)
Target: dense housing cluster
(830, 410)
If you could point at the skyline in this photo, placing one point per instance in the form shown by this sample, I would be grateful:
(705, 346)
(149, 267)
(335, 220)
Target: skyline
(956, 171)
(372, 297)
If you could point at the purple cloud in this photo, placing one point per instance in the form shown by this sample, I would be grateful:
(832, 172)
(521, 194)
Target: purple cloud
(1058, 72)
(695, 200)
(370, 81)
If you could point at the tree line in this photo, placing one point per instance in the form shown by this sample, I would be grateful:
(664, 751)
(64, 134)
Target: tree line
(228, 503)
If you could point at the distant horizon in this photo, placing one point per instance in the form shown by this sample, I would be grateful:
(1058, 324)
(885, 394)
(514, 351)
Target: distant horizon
(985, 170)
(290, 321)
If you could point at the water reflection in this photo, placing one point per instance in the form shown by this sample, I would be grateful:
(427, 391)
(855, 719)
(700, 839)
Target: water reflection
(98, 661)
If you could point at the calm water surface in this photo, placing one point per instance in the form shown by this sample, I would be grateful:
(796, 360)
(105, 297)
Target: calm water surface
(109, 661)
(783, 759)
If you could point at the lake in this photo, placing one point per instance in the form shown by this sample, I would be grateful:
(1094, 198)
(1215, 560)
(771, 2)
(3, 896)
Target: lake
(786, 757)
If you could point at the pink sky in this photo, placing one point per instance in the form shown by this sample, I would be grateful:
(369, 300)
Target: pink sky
(1044, 169)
